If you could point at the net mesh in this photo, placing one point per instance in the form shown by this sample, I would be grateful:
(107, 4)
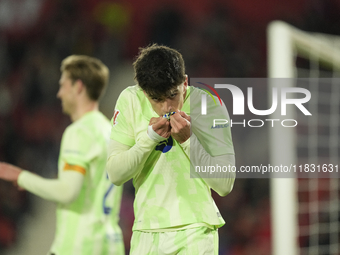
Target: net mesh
(318, 146)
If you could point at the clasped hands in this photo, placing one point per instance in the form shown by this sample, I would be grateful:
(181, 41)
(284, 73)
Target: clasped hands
(178, 126)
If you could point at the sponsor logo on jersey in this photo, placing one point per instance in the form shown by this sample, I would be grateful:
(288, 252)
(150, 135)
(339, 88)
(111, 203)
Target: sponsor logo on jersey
(219, 126)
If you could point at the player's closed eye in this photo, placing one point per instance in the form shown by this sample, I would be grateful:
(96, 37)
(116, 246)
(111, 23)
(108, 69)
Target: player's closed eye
(173, 95)
(156, 99)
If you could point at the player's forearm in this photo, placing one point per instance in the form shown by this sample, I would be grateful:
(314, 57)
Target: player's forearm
(125, 162)
(63, 190)
(222, 182)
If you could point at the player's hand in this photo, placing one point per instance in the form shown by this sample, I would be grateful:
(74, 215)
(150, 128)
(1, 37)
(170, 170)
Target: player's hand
(185, 116)
(9, 172)
(180, 126)
(161, 126)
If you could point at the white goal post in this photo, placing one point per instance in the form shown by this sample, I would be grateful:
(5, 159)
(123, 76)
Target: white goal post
(284, 43)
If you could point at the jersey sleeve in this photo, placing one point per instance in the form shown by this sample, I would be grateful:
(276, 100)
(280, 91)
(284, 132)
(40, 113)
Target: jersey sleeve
(78, 149)
(64, 190)
(215, 137)
(122, 119)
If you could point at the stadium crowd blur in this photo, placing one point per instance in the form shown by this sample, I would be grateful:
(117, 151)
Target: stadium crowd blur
(216, 38)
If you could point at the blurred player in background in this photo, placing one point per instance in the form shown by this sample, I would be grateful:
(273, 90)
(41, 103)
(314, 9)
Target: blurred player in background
(151, 142)
(88, 203)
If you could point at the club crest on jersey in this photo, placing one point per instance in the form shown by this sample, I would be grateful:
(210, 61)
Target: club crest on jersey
(165, 146)
(115, 115)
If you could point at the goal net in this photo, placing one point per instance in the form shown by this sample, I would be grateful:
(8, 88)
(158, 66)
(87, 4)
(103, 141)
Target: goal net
(306, 208)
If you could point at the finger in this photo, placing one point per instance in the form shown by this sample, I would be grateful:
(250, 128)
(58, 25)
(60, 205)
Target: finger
(185, 116)
(177, 118)
(181, 115)
(161, 123)
(177, 122)
(153, 120)
(162, 128)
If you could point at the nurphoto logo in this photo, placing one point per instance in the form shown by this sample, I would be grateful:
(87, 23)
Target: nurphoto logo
(239, 104)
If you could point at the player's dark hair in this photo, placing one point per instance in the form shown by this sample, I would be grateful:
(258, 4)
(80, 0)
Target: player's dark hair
(158, 70)
(91, 71)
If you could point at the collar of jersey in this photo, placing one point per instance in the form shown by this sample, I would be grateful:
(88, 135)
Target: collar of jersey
(87, 115)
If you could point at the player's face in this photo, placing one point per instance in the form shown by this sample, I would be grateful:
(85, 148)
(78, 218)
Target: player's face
(66, 93)
(172, 102)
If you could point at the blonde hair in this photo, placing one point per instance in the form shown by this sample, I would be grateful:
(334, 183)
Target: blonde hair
(91, 71)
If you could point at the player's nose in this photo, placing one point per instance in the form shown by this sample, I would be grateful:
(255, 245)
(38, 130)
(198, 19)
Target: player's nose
(59, 94)
(167, 106)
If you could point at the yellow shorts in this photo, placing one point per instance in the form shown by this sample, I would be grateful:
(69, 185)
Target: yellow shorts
(198, 241)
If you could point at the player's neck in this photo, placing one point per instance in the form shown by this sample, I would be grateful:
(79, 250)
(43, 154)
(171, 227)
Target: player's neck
(84, 108)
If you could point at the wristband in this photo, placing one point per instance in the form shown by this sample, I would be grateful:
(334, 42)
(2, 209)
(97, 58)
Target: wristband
(154, 136)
